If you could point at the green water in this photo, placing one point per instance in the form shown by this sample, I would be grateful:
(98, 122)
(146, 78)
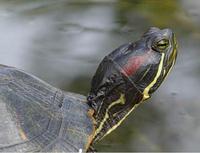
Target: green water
(63, 41)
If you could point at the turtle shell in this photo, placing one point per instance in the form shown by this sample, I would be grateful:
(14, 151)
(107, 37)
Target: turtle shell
(38, 117)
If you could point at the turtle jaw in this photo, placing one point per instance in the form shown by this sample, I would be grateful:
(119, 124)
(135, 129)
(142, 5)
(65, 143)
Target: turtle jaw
(171, 55)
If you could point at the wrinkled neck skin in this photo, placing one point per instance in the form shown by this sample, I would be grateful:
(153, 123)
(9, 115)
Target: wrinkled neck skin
(113, 101)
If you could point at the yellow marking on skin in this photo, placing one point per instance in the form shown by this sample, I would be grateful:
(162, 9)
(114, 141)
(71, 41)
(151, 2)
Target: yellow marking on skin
(174, 59)
(116, 125)
(145, 73)
(146, 95)
(22, 134)
(171, 66)
(146, 90)
(121, 100)
(164, 72)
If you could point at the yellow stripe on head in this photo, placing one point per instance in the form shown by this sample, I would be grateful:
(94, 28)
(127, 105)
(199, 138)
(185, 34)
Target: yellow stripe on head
(160, 68)
(121, 100)
(145, 93)
(174, 60)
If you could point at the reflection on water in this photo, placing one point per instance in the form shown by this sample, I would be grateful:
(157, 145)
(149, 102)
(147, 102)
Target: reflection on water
(63, 41)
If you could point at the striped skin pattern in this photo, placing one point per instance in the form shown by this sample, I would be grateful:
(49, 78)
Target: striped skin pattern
(128, 76)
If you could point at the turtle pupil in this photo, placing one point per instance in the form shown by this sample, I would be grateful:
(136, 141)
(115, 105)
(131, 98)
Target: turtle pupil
(161, 45)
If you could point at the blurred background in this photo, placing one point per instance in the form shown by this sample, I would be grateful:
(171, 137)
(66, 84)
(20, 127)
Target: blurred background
(63, 41)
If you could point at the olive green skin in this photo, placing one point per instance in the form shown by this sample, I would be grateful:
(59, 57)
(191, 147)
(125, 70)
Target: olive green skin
(37, 117)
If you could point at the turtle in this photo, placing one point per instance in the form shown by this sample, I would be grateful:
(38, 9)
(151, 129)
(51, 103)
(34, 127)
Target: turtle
(37, 117)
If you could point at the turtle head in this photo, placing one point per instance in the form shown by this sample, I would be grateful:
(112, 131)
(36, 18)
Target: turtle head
(163, 42)
(128, 76)
(152, 59)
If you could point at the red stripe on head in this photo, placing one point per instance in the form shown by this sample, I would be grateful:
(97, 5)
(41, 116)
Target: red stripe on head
(133, 64)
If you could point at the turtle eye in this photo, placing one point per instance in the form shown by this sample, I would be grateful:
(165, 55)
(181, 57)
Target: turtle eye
(161, 45)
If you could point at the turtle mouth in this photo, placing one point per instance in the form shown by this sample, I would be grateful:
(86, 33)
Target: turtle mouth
(172, 54)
